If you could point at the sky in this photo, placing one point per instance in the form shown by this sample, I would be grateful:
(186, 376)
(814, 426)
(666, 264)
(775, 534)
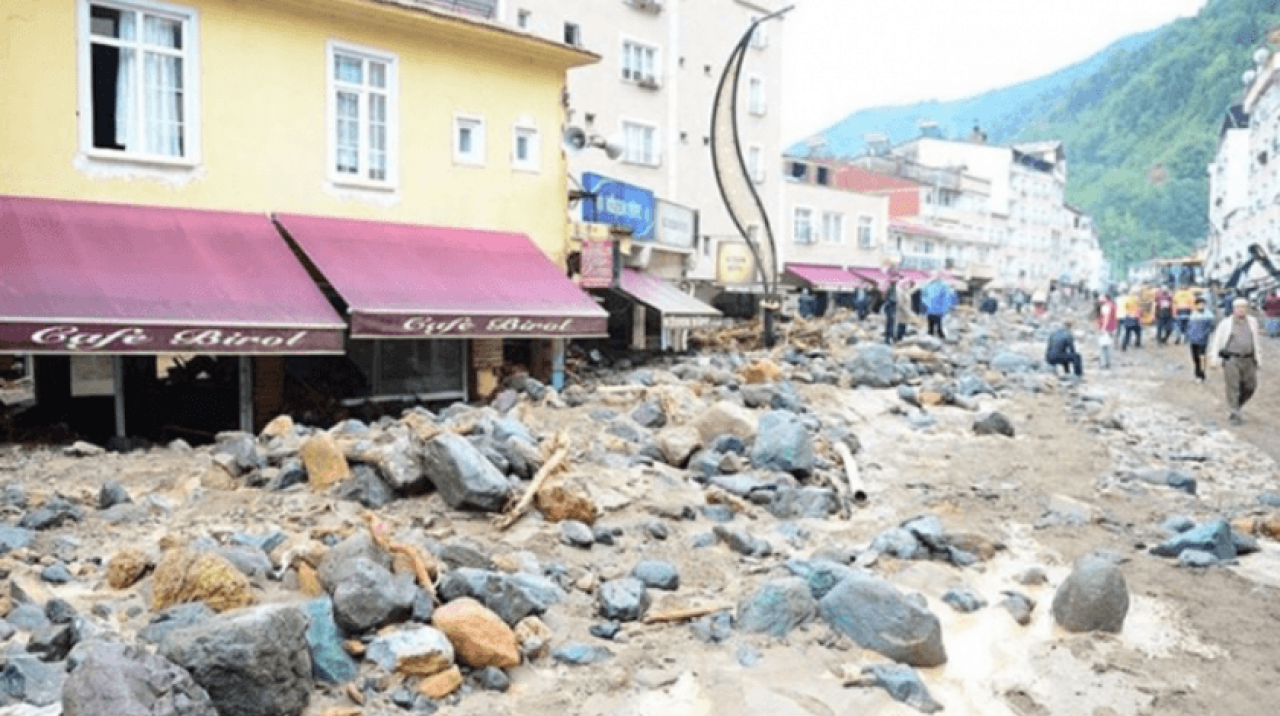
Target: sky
(841, 56)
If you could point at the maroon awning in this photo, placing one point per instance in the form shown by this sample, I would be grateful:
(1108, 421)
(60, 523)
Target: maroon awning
(677, 308)
(80, 277)
(826, 278)
(878, 277)
(411, 281)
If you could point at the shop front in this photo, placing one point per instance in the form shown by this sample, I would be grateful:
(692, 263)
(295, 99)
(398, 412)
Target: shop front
(822, 284)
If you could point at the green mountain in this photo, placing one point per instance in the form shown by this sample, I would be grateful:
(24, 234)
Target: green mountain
(1139, 121)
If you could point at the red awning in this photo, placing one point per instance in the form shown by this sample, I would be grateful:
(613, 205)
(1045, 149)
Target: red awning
(678, 309)
(411, 281)
(826, 278)
(874, 275)
(80, 277)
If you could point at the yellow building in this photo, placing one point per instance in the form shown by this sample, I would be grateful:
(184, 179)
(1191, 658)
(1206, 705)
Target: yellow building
(417, 148)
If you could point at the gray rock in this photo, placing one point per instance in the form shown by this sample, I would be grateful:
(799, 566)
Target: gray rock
(59, 611)
(251, 662)
(1019, 606)
(1177, 524)
(241, 449)
(1245, 544)
(12, 538)
(677, 444)
(176, 617)
(747, 656)
(416, 643)
(460, 552)
(922, 421)
(713, 628)
(329, 661)
(371, 596)
(963, 600)
(605, 630)
(27, 680)
(56, 573)
(1031, 577)
(928, 530)
(577, 534)
(904, 685)
(1094, 597)
(969, 385)
(627, 430)
(1197, 558)
(112, 494)
(783, 444)
(491, 678)
(1270, 499)
(1009, 362)
(624, 600)
(511, 596)
(657, 575)
(125, 680)
(717, 513)
(873, 613)
(465, 479)
(993, 423)
(649, 414)
(52, 643)
(340, 560)
(28, 617)
(13, 495)
(820, 574)
(1213, 537)
(400, 466)
(56, 512)
(898, 542)
(814, 502)
(777, 607)
(251, 561)
(742, 543)
(364, 486)
(872, 365)
(577, 654)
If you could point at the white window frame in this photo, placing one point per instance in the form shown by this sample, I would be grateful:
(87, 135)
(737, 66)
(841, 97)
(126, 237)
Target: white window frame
(392, 62)
(755, 163)
(833, 227)
(867, 240)
(757, 102)
(759, 38)
(532, 163)
(479, 139)
(190, 53)
(628, 151)
(639, 76)
(796, 223)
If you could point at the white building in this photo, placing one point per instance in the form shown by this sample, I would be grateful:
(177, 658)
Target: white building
(1228, 196)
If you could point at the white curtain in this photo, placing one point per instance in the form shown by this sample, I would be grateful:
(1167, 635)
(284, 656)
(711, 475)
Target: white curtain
(163, 83)
(126, 101)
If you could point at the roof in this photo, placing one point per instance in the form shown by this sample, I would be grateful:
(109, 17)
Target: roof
(867, 182)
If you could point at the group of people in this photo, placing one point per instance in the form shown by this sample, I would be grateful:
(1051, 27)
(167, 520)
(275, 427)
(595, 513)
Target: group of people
(936, 299)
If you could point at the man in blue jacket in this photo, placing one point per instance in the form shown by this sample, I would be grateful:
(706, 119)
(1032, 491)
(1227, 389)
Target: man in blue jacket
(938, 299)
(1061, 350)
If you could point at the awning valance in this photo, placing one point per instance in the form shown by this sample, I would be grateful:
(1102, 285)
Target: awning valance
(825, 278)
(414, 281)
(678, 309)
(82, 277)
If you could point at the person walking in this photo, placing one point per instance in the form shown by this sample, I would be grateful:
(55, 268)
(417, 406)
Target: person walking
(938, 299)
(1108, 321)
(1271, 309)
(862, 302)
(1184, 302)
(902, 315)
(1235, 346)
(1131, 320)
(1061, 351)
(890, 308)
(1199, 329)
(1164, 315)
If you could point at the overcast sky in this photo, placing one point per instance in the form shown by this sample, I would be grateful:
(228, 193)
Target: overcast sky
(845, 55)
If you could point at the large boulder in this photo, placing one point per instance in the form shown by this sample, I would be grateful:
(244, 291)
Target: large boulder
(677, 443)
(777, 607)
(783, 444)
(872, 364)
(480, 638)
(253, 662)
(511, 596)
(413, 651)
(1094, 597)
(329, 661)
(183, 576)
(325, 463)
(370, 596)
(877, 616)
(1213, 537)
(124, 680)
(463, 476)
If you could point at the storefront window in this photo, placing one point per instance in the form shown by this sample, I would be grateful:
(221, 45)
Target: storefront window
(409, 368)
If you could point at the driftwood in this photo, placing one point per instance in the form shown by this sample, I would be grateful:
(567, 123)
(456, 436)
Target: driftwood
(560, 446)
(855, 490)
(679, 615)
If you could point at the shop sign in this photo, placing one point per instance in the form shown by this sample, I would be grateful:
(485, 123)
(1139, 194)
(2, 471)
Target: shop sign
(689, 321)
(110, 339)
(614, 202)
(374, 325)
(599, 264)
(677, 225)
(735, 264)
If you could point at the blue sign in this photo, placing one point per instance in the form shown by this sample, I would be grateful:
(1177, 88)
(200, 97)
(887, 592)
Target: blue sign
(610, 201)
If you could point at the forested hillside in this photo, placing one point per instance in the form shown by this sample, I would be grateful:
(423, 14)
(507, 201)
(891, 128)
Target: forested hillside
(1139, 121)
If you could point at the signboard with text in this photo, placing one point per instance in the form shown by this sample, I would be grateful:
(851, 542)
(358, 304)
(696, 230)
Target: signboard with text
(677, 226)
(112, 339)
(599, 264)
(618, 203)
(735, 264)
(453, 325)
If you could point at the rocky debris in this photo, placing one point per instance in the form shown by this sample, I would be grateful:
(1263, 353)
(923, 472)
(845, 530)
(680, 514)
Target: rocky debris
(902, 682)
(27, 680)
(464, 477)
(184, 576)
(369, 596)
(479, 636)
(329, 661)
(877, 616)
(124, 680)
(783, 444)
(578, 654)
(12, 538)
(1094, 597)
(254, 661)
(324, 461)
(54, 513)
(963, 600)
(1019, 606)
(993, 423)
(678, 443)
(777, 607)
(657, 575)
(623, 600)
(1213, 537)
(511, 596)
(412, 651)
(725, 418)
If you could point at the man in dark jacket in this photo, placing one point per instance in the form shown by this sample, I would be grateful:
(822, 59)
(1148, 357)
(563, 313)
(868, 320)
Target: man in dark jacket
(1061, 350)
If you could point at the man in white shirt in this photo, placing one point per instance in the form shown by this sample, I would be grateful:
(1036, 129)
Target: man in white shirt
(1235, 346)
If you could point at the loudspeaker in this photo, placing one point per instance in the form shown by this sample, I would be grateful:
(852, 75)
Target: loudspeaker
(574, 140)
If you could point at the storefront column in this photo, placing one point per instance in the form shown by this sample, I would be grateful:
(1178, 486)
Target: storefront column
(117, 389)
(557, 363)
(638, 326)
(246, 394)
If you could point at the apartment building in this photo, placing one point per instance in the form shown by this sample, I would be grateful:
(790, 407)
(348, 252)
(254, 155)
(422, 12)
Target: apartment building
(1229, 204)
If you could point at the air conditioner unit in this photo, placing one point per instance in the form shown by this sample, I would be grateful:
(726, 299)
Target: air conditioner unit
(648, 83)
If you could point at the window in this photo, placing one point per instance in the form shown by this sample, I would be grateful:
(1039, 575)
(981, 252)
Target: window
(140, 88)
(755, 163)
(865, 238)
(572, 34)
(802, 228)
(639, 63)
(639, 144)
(755, 96)
(522, 19)
(822, 176)
(404, 368)
(759, 38)
(797, 170)
(833, 227)
(526, 149)
(362, 112)
(468, 140)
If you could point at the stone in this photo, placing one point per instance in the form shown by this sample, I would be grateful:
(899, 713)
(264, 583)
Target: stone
(1009, 362)
(1094, 597)
(677, 444)
(820, 574)
(412, 651)
(280, 426)
(112, 494)
(29, 680)
(623, 600)
(241, 449)
(479, 636)
(56, 573)
(512, 596)
(176, 617)
(324, 461)
(904, 685)
(576, 534)
(649, 414)
(253, 662)
(339, 561)
(777, 607)
(741, 542)
(183, 576)
(442, 684)
(898, 542)
(12, 538)
(577, 654)
(81, 448)
(1213, 537)
(713, 628)
(872, 365)
(533, 637)
(125, 680)
(1019, 606)
(783, 444)
(725, 418)
(963, 600)
(993, 423)
(370, 596)
(329, 661)
(492, 679)
(877, 616)
(1197, 558)
(54, 513)
(462, 475)
(657, 575)
(59, 611)
(365, 487)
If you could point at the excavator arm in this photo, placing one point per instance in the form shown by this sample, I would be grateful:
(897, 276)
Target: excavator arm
(1258, 255)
